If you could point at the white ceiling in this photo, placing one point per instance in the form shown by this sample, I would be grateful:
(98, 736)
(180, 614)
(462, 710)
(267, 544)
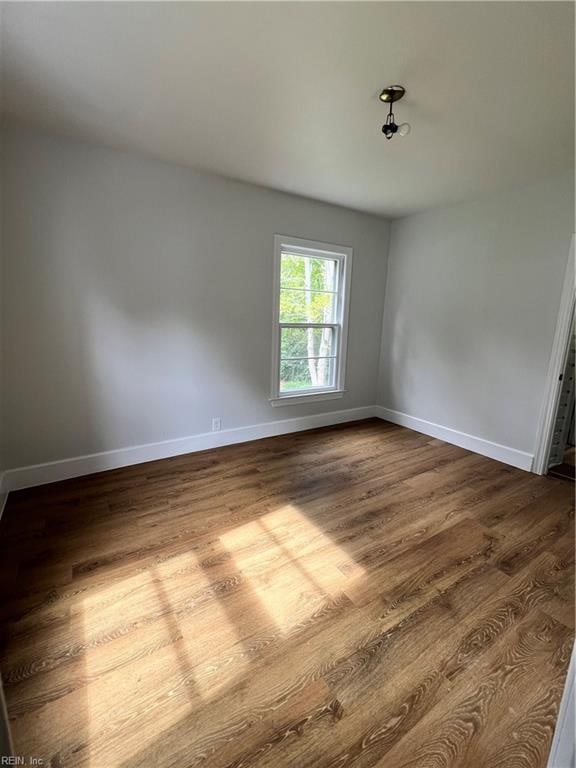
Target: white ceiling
(286, 94)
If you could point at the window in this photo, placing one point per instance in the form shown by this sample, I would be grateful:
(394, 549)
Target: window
(310, 320)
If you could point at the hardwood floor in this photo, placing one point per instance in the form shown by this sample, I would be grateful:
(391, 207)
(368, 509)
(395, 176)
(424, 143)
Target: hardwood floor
(353, 596)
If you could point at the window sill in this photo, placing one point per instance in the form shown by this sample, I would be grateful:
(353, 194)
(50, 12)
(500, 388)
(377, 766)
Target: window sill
(308, 397)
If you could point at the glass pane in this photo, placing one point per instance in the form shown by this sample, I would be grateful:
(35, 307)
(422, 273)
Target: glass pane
(308, 273)
(306, 374)
(307, 342)
(307, 307)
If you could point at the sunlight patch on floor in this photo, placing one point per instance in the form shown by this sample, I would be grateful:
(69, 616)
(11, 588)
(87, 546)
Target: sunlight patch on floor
(203, 621)
(291, 564)
(173, 611)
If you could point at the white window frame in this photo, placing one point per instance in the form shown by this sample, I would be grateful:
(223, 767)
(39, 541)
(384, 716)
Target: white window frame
(343, 256)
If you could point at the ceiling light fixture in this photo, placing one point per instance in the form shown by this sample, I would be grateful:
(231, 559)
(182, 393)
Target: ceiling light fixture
(389, 95)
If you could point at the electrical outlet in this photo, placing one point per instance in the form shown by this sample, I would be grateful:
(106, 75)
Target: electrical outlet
(216, 424)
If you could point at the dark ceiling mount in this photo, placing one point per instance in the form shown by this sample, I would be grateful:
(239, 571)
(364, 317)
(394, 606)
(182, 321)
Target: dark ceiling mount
(389, 95)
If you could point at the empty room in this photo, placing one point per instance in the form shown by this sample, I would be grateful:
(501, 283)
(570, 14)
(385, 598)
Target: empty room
(287, 354)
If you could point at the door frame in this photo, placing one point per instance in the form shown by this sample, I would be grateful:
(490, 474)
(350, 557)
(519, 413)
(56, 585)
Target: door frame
(563, 747)
(556, 366)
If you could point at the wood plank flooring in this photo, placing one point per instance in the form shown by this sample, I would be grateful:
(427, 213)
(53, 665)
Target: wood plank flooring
(353, 596)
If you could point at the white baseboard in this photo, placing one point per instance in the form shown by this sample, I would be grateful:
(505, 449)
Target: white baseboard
(508, 455)
(40, 474)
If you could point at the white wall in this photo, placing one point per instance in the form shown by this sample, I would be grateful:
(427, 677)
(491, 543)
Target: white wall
(472, 297)
(138, 299)
(137, 303)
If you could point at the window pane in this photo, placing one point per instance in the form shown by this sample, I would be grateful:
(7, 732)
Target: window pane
(307, 307)
(308, 273)
(306, 374)
(307, 342)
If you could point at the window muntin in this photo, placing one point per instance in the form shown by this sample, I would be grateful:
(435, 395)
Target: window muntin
(310, 315)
